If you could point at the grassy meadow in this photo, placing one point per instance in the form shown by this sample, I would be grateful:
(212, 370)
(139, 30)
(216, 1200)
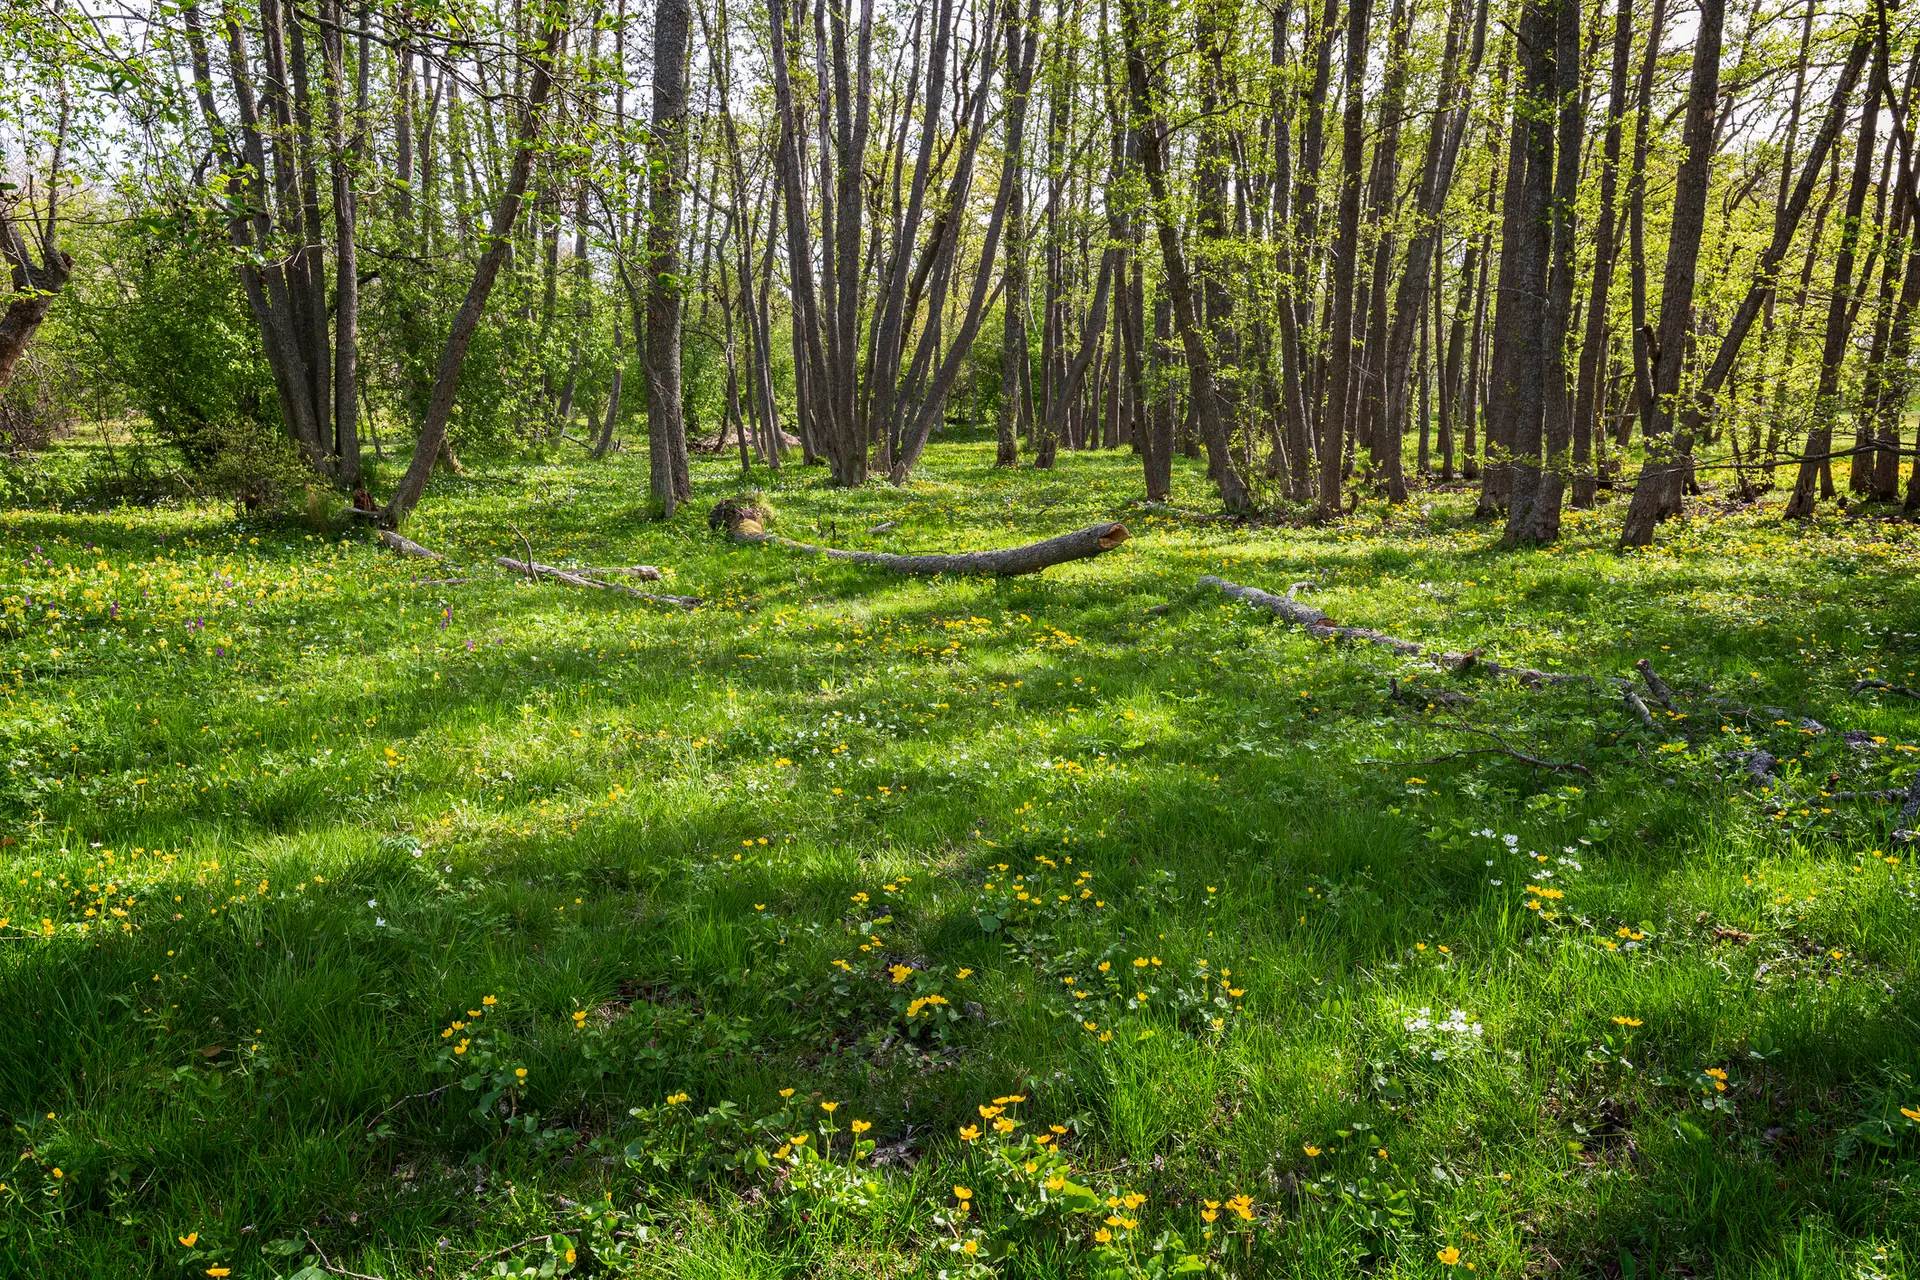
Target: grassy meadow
(367, 916)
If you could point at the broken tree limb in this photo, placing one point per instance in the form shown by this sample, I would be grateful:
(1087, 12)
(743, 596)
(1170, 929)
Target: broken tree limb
(407, 546)
(1884, 687)
(1321, 626)
(644, 572)
(1637, 705)
(1032, 558)
(1662, 692)
(534, 569)
(1501, 748)
(1911, 807)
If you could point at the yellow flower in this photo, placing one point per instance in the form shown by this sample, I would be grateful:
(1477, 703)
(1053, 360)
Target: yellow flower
(571, 1255)
(489, 1001)
(1003, 1124)
(1450, 1256)
(962, 1193)
(798, 1139)
(861, 1126)
(1242, 1205)
(520, 1073)
(675, 1099)
(1911, 1113)
(970, 1247)
(217, 1272)
(1311, 1150)
(970, 1133)
(1209, 1215)
(1626, 1022)
(1102, 1236)
(900, 972)
(190, 1239)
(829, 1107)
(786, 1093)
(964, 973)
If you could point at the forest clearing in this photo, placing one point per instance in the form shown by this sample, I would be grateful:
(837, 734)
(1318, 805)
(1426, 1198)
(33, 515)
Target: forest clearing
(959, 639)
(775, 902)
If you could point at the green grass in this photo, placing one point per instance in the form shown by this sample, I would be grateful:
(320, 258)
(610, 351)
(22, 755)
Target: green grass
(278, 815)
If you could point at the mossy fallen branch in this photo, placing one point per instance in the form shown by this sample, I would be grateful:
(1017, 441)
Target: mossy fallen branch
(745, 523)
(534, 569)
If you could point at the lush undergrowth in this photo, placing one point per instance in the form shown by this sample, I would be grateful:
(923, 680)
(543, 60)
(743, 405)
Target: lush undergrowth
(364, 915)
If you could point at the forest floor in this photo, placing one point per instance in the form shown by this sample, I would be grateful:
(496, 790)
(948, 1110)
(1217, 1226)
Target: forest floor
(359, 921)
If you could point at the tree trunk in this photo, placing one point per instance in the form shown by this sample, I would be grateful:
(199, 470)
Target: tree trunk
(1542, 518)
(1187, 313)
(1827, 401)
(433, 433)
(1345, 250)
(1657, 495)
(343, 160)
(668, 482)
(1593, 345)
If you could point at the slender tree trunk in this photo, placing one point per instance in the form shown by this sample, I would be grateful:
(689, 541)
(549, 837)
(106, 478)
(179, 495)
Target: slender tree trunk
(1827, 402)
(1016, 403)
(667, 480)
(1593, 345)
(1657, 494)
(1187, 306)
(1157, 451)
(1345, 252)
(1643, 357)
(1542, 522)
(433, 433)
(343, 160)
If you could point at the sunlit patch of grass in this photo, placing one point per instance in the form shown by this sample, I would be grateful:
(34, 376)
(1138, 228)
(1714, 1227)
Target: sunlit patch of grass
(283, 808)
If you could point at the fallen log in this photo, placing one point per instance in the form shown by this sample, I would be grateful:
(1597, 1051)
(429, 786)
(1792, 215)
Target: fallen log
(534, 569)
(1321, 626)
(407, 546)
(1032, 558)
(644, 572)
